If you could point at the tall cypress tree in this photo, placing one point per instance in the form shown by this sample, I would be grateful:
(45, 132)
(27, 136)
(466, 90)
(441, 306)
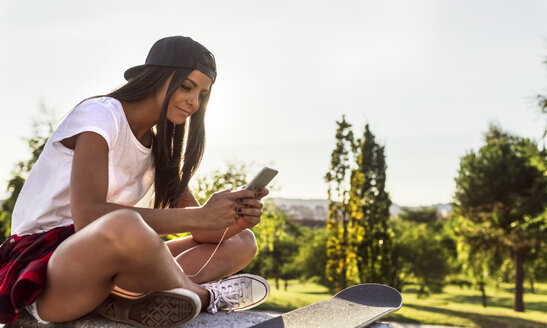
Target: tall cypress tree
(339, 249)
(369, 203)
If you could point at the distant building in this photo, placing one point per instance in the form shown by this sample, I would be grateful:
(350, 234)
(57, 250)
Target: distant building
(320, 213)
(313, 212)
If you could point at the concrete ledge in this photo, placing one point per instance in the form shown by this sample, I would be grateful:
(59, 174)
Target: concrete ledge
(221, 319)
(94, 320)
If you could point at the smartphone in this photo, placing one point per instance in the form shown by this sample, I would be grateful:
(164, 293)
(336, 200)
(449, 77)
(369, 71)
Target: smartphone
(261, 179)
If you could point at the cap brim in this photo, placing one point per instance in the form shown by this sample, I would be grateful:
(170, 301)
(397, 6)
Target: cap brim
(133, 71)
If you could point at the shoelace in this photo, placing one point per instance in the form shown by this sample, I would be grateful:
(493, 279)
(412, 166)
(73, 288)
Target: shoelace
(233, 295)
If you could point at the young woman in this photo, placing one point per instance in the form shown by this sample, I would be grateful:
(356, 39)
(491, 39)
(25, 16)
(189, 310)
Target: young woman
(79, 243)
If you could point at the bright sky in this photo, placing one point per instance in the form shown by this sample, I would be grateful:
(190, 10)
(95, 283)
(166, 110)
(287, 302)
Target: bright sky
(428, 76)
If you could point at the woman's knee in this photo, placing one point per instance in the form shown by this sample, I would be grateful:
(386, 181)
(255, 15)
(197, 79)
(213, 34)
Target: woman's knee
(125, 229)
(248, 245)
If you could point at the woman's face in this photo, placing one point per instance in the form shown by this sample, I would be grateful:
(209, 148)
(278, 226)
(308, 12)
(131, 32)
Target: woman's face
(187, 99)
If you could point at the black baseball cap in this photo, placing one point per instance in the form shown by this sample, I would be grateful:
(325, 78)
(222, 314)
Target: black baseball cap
(176, 52)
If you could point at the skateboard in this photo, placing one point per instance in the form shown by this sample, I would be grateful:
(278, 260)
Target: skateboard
(356, 306)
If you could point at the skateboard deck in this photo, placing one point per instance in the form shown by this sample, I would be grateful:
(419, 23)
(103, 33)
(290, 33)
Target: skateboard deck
(356, 306)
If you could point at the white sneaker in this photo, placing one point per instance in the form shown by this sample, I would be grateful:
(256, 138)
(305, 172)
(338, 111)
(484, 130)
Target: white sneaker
(237, 293)
(169, 308)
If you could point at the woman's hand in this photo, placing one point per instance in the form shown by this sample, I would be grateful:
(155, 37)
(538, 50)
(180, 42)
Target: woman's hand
(250, 209)
(223, 210)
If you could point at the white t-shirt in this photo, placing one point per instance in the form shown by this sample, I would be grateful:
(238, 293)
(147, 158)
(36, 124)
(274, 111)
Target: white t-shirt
(44, 201)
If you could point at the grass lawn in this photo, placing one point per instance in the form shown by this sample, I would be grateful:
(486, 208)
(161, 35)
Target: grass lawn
(454, 307)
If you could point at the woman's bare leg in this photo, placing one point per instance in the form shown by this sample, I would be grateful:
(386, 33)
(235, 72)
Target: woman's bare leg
(232, 255)
(118, 248)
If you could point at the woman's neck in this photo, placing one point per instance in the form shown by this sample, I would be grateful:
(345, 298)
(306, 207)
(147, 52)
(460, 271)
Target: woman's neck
(142, 115)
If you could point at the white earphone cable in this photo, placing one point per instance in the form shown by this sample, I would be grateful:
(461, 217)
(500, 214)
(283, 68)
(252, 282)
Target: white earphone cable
(210, 257)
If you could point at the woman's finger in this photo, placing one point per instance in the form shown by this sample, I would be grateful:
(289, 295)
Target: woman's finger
(242, 193)
(262, 192)
(248, 211)
(250, 202)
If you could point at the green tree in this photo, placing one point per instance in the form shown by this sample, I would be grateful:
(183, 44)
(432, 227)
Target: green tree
(479, 264)
(42, 127)
(278, 247)
(281, 260)
(501, 193)
(340, 253)
(369, 203)
(423, 250)
(312, 256)
(271, 227)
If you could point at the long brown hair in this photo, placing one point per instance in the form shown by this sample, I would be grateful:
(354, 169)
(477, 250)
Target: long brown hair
(169, 140)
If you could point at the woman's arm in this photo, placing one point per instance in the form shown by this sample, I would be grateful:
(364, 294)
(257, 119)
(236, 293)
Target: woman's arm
(89, 188)
(248, 219)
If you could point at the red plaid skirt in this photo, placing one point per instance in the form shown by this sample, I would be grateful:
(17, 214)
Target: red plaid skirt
(23, 266)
